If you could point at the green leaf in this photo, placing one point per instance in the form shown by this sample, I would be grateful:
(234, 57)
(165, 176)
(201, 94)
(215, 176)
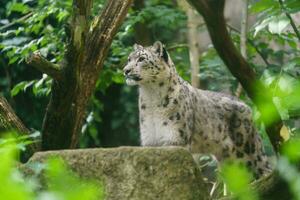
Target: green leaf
(260, 26)
(283, 111)
(293, 6)
(291, 149)
(238, 179)
(268, 77)
(62, 15)
(20, 86)
(287, 83)
(19, 7)
(278, 24)
(13, 60)
(118, 78)
(262, 5)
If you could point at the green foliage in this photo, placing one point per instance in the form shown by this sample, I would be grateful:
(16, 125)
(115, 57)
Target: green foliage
(14, 187)
(287, 166)
(19, 142)
(281, 75)
(213, 72)
(40, 87)
(152, 15)
(292, 150)
(61, 182)
(290, 173)
(237, 178)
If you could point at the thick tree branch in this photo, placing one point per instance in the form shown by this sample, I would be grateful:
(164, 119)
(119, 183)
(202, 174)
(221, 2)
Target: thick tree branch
(79, 28)
(102, 31)
(290, 18)
(87, 48)
(212, 12)
(45, 66)
(9, 121)
(8, 118)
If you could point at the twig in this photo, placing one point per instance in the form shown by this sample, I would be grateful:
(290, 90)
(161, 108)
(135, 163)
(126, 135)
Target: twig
(290, 18)
(176, 46)
(16, 21)
(251, 42)
(45, 66)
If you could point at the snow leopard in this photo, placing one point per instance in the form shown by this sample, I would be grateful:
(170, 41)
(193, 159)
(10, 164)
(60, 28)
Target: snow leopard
(173, 113)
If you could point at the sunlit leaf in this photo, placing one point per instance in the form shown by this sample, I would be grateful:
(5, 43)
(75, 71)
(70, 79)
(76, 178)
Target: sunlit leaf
(262, 5)
(278, 24)
(238, 179)
(20, 86)
(19, 7)
(291, 149)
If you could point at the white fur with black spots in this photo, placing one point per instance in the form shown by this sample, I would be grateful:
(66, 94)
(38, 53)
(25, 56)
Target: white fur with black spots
(172, 112)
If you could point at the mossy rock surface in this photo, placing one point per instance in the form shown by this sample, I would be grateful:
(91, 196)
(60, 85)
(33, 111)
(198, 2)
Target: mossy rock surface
(136, 173)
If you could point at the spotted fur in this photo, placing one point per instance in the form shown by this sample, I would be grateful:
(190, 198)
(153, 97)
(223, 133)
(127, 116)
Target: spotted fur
(172, 112)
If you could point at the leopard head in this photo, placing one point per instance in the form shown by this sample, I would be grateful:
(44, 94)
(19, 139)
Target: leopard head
(147, 65)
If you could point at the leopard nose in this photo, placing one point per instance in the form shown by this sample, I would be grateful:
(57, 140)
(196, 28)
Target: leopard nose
(127, 71)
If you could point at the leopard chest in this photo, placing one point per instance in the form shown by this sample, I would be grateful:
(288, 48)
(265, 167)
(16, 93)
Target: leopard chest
(155, 127)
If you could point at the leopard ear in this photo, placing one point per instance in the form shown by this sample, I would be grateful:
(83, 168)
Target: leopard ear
(161, 50)
(158, 48)
(137, 47)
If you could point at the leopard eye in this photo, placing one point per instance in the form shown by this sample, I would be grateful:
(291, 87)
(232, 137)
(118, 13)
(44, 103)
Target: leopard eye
(141, 59)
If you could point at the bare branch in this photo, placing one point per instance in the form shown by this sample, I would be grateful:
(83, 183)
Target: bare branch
(176, 46)
(16, 21)
(45, 66)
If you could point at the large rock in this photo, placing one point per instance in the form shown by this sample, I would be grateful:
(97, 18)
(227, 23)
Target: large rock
(137, 173)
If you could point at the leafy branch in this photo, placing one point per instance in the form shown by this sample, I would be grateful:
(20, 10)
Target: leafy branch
(45, 66)
(251, 42)
(290, 18)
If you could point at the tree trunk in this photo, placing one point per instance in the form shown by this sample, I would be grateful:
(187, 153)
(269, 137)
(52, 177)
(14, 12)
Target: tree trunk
(193, 46)
(193, 43)
(212, 12)
(243, 39)
(9, 120)
(74, 81)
